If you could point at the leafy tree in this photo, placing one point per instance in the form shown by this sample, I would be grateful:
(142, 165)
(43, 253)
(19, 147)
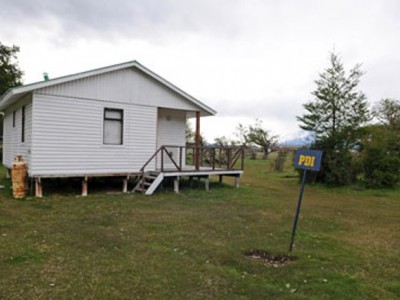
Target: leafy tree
(191, 135)
(387, 111)
(10, 74)
(241, 134)
(380, 146)
(224, 142)
(335, 117)
(380, 157)
(256, 134)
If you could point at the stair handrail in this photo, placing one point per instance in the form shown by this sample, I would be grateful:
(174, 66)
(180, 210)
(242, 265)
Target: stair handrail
(150, 159)
(170, 157)
(163, 149)
(142, 169)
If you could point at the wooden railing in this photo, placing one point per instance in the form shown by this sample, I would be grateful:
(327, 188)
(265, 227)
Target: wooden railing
(176, 158)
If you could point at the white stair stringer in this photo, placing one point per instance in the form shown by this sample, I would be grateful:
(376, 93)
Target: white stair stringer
(150, 190)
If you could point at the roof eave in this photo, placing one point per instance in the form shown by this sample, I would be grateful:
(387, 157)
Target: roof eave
(5, 99)
(177, 90)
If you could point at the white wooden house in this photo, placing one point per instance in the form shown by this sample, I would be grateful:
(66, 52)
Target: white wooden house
(104, 122)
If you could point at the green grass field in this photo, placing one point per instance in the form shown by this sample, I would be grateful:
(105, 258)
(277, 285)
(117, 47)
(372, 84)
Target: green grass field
(191, 245)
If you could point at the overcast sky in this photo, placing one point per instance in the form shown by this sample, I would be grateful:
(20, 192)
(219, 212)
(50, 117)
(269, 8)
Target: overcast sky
(246, 59)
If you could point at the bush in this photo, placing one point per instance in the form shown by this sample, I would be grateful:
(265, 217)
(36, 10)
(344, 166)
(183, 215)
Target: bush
(380, 168)
(336, 164)
(280, 160)
(380, 156)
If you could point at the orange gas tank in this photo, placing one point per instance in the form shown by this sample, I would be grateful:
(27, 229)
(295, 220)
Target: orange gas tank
(19, 175)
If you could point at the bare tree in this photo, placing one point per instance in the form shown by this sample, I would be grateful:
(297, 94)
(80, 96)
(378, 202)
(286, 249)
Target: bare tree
(256, 134)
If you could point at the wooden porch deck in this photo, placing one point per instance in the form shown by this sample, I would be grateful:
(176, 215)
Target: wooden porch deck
(206, 162)
(191, 171)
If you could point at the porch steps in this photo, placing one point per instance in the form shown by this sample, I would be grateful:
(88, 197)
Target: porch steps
(149, 182)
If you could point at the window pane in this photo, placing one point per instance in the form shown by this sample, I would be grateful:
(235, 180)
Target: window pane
(113, 114)
(112, 132)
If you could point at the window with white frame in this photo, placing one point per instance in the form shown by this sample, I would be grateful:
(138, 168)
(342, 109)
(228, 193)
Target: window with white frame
(113, 126)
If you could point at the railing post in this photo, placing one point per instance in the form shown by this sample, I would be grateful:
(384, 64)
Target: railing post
(228, 154)
(162, 159)
(242, 164)
(197, 140)
(213, 158)
(220, 157)
(180, 158)
(197, 158)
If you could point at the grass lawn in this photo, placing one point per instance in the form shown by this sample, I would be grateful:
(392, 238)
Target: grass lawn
(191, 245)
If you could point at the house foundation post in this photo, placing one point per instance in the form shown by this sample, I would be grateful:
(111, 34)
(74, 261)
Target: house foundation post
(85, 186)
(190, 181)
(8, 173)
(38, 188)
(237, 181)
(221, 179)
(125, 184)
(207, 183)
(176, 184)
(197, 142)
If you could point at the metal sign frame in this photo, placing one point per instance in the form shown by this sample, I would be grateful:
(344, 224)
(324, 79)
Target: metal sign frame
(307, 160)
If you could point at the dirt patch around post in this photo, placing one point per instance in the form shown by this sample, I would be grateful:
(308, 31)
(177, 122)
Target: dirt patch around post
(270, 259)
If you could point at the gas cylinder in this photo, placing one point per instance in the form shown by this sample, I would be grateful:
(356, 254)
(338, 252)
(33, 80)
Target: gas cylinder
(19, 176)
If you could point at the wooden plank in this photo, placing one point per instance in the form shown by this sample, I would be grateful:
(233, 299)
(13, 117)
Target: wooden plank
(237, 181)
(38, 188)
(207, 183)
(125, 184)
(197, 141)
(84, 186)
(176, 185)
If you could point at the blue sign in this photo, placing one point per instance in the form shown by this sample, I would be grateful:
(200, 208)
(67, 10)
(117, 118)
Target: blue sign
(308, 160)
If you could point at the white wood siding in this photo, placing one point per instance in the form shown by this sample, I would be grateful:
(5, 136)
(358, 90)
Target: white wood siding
(68, 137)
(171, 131)
(12, 145)
(127, 85)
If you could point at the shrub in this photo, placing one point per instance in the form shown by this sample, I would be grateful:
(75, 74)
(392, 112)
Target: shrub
(380, 168)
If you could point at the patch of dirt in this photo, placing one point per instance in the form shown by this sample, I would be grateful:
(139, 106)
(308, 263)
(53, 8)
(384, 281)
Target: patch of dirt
(270, 259)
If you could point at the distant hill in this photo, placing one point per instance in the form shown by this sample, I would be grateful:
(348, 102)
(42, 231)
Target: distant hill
(296, 142)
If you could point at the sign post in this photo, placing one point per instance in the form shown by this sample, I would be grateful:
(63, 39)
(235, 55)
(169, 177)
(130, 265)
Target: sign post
(305, 160)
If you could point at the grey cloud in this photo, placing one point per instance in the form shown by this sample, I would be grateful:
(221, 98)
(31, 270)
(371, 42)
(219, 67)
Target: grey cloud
(377, 83)
(151, 19)
(282, 109)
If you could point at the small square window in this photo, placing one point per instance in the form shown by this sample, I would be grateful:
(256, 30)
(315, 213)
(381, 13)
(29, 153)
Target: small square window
(113, 126)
